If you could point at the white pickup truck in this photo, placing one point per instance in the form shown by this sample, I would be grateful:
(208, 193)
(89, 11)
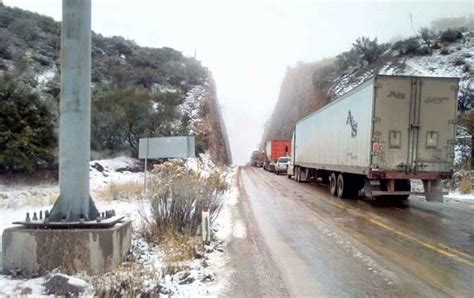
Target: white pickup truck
(281, 165)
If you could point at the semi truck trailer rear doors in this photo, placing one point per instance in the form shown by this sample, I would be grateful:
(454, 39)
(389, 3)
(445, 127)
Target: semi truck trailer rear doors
(413, 124)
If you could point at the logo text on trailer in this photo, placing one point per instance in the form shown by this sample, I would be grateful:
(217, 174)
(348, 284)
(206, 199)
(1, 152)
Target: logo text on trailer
(350, 121)
(436, 99)
(396, 94)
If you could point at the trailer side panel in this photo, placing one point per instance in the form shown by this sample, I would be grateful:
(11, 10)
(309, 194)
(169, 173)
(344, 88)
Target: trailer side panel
(339, 135)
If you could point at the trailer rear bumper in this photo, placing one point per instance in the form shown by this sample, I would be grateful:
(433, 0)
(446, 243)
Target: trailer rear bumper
(402, 175)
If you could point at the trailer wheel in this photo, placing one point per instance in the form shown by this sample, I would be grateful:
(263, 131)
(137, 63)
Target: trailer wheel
(298, 174)
(333, 184)
(345, 187)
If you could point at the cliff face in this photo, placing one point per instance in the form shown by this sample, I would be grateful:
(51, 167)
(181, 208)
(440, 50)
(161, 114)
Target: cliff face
(207, 123)
(298, 97)
(219, 147)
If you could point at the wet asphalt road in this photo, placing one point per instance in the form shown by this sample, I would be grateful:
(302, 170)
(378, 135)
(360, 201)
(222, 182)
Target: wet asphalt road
(324, 246)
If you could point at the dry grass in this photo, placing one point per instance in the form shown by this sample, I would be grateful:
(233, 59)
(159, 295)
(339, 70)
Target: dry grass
(35, 198)
(465, 185)
(134, 279)
(42, 200)
(121, 191)
(178, 247)
(129, 280)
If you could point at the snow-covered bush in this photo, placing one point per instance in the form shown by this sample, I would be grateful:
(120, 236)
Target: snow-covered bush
(450, 35)
(369, 50)
(427, 34)
(407, 46)
(177, 198)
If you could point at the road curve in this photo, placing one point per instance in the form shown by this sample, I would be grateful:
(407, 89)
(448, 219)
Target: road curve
(324, 246)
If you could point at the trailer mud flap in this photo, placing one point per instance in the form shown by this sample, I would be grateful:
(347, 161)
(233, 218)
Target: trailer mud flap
(433, 190)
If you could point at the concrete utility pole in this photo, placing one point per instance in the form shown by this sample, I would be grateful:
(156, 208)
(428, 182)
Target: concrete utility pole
(74, 201)
(72, 236)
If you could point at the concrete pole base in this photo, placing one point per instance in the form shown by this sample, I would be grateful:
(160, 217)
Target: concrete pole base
(35, 251)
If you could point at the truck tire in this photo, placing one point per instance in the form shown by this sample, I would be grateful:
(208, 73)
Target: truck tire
(333, 184)
(297, 174)
(345, 187)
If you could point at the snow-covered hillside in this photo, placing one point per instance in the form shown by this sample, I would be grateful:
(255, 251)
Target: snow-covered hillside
(456, 60)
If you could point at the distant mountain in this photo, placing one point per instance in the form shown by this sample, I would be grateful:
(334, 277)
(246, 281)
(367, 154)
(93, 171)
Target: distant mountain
(158, 83)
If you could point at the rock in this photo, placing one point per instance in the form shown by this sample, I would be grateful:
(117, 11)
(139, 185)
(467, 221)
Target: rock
(208, 277)
(26, 291)
(130, 168)
(198, 254)
(185, 278)
(165, 291)
(98, 167)
(60, 285)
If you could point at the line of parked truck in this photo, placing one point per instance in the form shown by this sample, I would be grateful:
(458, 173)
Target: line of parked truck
(374, 139)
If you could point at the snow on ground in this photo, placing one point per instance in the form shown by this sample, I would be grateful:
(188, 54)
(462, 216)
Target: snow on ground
(203, 277)
(343, 86)
(46, 76)
(16, 287)
(116, 170)
(449, 196)
(459, 197)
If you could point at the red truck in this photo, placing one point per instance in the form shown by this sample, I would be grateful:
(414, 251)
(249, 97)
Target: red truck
(275, 149)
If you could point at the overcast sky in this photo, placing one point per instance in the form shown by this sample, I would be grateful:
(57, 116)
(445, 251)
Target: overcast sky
(249, 44)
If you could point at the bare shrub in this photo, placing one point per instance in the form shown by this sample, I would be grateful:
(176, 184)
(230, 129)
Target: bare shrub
(427, 34)
(177, 198)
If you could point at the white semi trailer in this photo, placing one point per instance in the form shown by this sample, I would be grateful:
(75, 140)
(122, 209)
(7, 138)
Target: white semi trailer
(380, 135)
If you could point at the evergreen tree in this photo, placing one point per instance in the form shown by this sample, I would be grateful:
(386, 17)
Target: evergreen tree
(27, 129)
